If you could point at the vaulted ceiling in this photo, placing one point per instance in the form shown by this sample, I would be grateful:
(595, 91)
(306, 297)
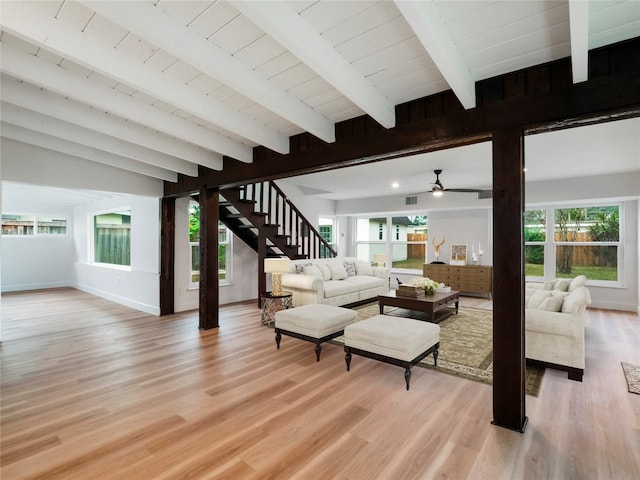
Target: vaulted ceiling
(160, 87)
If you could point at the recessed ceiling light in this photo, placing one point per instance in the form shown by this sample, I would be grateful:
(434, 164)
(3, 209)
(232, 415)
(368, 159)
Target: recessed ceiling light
(395, 185)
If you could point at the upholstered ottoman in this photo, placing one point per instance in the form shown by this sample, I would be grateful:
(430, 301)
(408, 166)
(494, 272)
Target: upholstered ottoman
(315, 323)
(396, 340)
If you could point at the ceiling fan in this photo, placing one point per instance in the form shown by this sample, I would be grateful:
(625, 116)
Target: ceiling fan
(438, 188)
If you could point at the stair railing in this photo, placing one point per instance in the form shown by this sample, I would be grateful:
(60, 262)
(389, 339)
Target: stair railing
(269, 199)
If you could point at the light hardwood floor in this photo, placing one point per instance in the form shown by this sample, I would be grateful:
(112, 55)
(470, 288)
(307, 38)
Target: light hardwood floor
(95, 390)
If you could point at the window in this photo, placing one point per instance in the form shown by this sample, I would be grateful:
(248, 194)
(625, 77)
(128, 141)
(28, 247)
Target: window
(326, 230)
(31, 225)
(577, 241)
(408, 247)
(224, 248)
(535, 238)
(112, 238)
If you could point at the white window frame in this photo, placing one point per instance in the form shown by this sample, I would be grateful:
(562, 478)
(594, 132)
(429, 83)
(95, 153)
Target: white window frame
(550, 244)
(35, 226)
(91, 238)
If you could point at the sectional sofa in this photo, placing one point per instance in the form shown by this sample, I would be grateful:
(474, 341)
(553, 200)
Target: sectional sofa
(554, 324)
(335, 281)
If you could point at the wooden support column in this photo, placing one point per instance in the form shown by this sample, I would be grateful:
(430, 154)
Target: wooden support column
(508, 280)
(209, 292)
(262, 253)
(167, 254)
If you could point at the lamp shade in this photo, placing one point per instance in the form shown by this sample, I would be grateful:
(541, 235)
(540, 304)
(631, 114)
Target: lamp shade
(277, 265)
(380, 258)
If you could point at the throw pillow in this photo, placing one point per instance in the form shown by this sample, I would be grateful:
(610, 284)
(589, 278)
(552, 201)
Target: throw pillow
(579, 281)
(364, 268)
(337, 271)
(350, 268)
(300, 267)
(563, 284)
(312, 270)
(326, 271)
(549, 285)
(537, 298)
(552, 304)
(574, 301)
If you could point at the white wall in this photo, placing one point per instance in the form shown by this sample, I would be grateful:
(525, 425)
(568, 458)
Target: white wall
(138, 286)
(462, 218)
(244, 285)
(34, 262)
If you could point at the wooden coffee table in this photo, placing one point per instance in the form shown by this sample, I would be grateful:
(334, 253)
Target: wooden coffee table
(438, 306)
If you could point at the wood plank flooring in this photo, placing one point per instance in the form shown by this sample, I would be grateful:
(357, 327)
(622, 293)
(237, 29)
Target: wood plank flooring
(95, 390)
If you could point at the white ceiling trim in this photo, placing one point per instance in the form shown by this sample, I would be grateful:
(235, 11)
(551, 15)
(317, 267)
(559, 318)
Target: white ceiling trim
(579, 32)
(48, 33)
(37, 122)
(288, 28)
(53, 105)
(151, 23)
(425, 20)
(52, 77)
(30, 137)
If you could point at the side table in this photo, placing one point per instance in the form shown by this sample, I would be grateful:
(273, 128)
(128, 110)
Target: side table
(271, 303)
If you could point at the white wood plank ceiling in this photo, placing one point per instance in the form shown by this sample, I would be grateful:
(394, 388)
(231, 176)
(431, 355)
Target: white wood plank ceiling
(160, 87)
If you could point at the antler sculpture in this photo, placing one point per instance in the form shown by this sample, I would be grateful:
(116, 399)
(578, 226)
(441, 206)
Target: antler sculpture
(437, 246)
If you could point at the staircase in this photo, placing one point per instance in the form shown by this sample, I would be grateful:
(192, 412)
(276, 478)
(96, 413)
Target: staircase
(262, 212)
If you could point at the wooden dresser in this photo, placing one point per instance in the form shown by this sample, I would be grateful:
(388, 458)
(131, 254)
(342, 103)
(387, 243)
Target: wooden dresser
(465, 278)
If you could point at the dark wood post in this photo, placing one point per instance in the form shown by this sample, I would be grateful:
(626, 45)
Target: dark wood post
(262, 254)
(209, 218)
(167, 254)
(508, 280)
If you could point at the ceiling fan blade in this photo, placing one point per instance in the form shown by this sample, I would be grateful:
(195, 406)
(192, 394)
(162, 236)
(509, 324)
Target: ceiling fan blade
(464, 190)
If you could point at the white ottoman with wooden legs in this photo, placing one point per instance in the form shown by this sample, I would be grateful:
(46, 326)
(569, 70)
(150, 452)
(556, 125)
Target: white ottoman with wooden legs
(395, 340)
(315, 323)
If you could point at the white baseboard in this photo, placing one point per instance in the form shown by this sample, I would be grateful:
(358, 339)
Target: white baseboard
(35, 286)
(625, 307)
(151, 309)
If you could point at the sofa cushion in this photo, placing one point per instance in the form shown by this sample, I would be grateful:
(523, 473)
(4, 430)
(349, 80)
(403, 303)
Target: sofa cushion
(363, 268)
(549, 285)
(299, 267)
(563, 284)
(350, 268)
(365, 282)
(312, 270)
(552, 303)
(575, 300)
(337, 270)
(324, 268)
(579, 281)
(537, 298)
(334, 288)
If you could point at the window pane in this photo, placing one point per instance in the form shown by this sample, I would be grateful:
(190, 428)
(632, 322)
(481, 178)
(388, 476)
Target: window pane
(194, 222)
(195, 263)
(409, 251)
(603, 224)
(222, 262)
(598, 262)
(535, 226)
(17, 224)
(366, 251)
(534, 260)
(52, 226)
(570, 225)
(112, 238)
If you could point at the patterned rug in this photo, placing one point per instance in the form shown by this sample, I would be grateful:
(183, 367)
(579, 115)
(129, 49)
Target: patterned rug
(632, 374)
(465, 344)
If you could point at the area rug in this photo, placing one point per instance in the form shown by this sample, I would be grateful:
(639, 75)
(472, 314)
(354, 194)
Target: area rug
(632, 375)
(465, 344)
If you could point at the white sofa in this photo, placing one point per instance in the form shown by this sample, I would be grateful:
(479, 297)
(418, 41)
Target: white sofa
(335, 281)
(554, 324)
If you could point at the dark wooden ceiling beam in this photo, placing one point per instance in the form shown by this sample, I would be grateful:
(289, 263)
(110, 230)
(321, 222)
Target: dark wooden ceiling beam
(534, 99)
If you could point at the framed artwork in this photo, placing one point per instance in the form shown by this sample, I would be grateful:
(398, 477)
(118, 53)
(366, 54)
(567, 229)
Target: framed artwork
(458, 254)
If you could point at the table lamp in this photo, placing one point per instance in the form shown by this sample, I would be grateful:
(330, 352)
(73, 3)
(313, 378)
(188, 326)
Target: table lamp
(276, 267)
(380, 258)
